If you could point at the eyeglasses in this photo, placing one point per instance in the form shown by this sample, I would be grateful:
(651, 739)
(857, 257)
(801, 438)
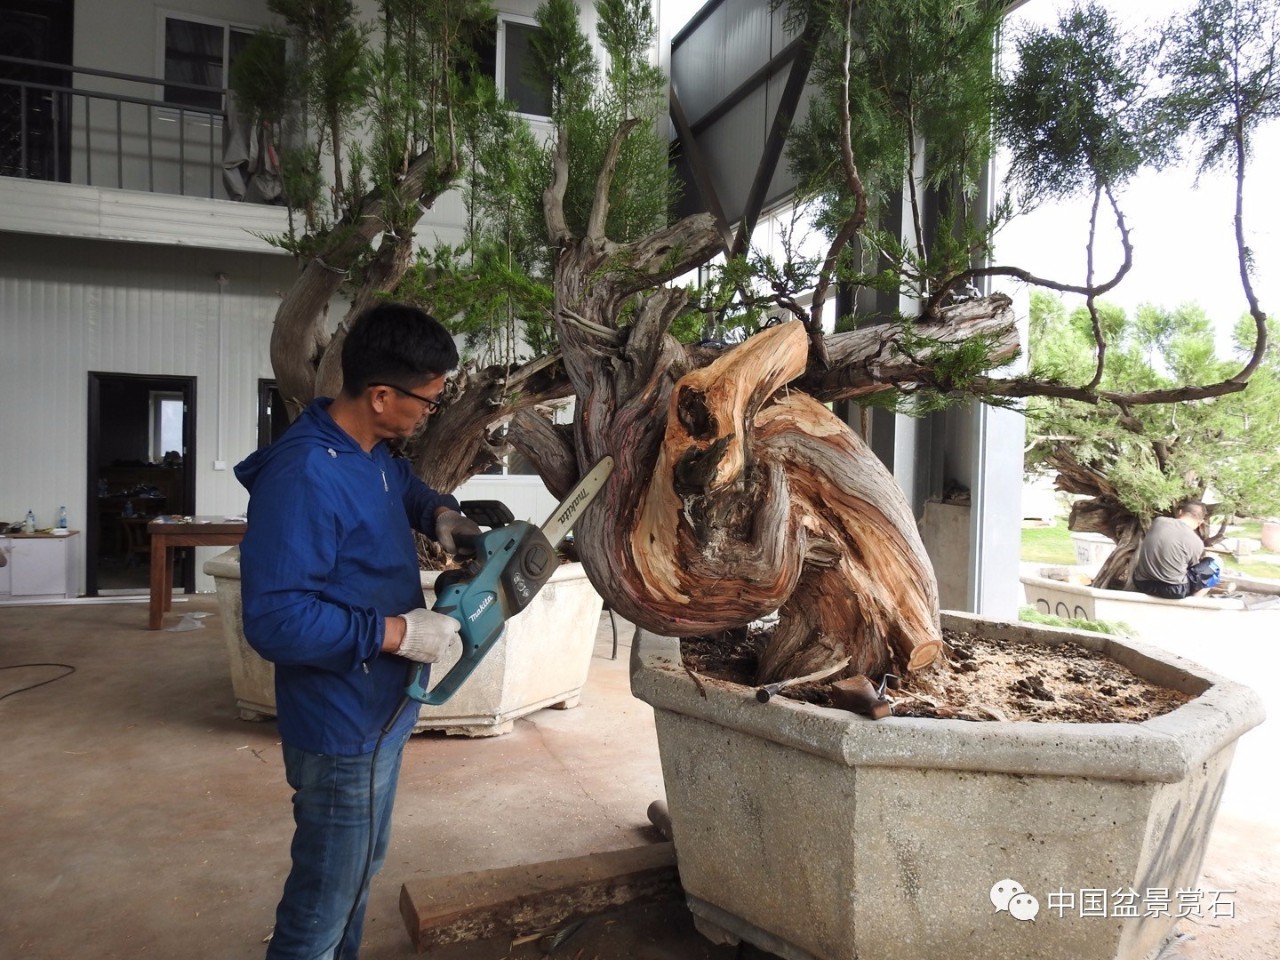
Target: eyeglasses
(432, 405)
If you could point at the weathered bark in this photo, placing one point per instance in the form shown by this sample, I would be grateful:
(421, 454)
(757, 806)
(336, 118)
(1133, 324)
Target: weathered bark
(476, 403)
(551, 446)
(730, 497)
(299, 337)
(870, 359)
(1104, 514)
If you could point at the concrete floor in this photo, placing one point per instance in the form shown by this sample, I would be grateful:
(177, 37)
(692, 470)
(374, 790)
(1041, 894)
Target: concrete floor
(140, 818)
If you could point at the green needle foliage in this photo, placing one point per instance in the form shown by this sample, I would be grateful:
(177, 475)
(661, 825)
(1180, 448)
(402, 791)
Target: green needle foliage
(644, 188)
(496, 285)
(1078, 113)
(357, 101)
(918, 69)
(1223, 449)
(1224, 56)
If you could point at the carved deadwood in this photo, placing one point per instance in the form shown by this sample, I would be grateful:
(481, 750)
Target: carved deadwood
(871, 359)
(1105, 514)
(759, 500)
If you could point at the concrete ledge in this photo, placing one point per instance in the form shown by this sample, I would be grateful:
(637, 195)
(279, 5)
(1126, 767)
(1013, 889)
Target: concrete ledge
(1081, 601)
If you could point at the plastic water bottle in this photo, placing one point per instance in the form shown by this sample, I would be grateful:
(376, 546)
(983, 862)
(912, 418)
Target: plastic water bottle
(29, 525)
(62, 518)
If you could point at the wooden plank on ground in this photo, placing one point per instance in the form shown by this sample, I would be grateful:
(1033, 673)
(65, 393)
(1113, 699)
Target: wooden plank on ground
(514, 901)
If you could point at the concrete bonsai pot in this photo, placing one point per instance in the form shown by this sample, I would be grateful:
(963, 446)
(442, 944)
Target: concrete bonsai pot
(817, 834)
(541, 661)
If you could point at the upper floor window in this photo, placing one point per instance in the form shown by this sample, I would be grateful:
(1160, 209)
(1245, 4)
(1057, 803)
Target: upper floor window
(200, 52)
(504, 53)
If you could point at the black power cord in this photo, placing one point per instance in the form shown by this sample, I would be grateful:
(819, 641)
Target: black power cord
(23, 666)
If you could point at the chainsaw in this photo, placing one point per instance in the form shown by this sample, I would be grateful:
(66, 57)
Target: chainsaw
(510, 564)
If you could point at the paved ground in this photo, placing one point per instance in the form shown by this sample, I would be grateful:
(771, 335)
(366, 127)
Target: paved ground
(1244, 851)
(142, 819)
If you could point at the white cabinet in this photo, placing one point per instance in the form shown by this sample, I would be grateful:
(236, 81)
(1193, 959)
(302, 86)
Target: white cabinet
(41, 566)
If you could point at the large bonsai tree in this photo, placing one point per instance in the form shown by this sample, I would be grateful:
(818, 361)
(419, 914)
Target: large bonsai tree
(737, 492)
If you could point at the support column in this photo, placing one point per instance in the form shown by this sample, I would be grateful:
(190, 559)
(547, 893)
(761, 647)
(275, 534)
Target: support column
(995, 518)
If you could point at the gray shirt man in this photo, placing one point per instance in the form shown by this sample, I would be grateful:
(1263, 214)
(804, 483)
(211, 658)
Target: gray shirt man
(1169, 549)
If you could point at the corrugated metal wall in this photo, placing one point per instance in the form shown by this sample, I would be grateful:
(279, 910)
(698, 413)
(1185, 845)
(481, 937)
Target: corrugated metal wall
(70, 306)
(728, 43)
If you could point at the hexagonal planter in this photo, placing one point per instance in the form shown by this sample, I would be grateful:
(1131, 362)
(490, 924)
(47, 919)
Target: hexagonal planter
(541, 661)
(820, 835)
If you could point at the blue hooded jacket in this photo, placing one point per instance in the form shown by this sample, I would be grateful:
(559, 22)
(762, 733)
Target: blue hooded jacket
(328, 552)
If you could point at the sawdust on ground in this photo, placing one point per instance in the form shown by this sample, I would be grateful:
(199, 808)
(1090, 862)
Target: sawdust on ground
(978, 679)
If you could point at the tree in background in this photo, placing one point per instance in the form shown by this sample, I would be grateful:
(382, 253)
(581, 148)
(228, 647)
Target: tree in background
(1224, 450)
(1160, 417)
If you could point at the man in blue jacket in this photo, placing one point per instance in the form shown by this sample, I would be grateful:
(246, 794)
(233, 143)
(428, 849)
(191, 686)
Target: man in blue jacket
(333, 598)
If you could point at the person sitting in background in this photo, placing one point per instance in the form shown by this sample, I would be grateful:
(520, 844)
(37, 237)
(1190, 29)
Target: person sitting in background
(1171, 561)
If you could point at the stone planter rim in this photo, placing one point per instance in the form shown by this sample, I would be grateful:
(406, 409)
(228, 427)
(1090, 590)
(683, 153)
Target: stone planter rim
(1163, 749)
(1142, 599)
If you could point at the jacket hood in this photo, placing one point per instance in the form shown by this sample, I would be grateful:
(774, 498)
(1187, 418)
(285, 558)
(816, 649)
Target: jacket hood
(314, 427)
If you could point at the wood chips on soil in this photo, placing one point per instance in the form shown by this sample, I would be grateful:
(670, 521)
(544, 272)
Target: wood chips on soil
(977, 679)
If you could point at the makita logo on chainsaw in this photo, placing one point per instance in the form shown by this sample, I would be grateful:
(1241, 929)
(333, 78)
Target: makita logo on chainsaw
(567, 512)
(485, 604)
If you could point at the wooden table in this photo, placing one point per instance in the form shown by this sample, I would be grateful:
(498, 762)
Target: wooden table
(166, 536)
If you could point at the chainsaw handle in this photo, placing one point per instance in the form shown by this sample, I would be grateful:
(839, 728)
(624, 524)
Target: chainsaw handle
(511, 565)
(447, 578)
(466, 544)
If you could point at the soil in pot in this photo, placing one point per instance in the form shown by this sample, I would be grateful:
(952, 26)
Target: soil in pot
(979, 679)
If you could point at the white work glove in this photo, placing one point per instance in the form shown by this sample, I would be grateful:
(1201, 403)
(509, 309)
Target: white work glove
(427, 635)
(452, 526)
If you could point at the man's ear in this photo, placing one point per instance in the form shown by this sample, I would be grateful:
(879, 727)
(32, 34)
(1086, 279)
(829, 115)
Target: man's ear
(378, 398)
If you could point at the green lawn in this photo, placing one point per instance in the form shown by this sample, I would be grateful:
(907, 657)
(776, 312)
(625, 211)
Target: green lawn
(1258, 569)
(1048, 544)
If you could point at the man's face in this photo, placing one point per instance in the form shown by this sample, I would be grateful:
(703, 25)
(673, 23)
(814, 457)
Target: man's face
(403, 408)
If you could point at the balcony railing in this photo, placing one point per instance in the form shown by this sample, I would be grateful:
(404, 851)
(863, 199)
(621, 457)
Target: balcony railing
(106, 129)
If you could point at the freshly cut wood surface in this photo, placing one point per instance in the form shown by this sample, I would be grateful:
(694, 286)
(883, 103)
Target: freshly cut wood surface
(764, 500)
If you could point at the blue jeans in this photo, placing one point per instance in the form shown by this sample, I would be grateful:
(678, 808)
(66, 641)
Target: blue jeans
(330, 846)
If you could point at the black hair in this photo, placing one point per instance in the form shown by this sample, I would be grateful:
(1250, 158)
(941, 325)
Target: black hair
(398, 344)
(1193, 507)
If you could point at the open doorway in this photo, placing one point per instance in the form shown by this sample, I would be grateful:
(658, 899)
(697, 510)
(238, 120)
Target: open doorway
(35, 109)
(273, 418)
(141, 448)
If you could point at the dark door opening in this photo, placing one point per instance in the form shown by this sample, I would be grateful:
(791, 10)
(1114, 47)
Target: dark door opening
(141, 451)
(273, 418)
(35, 110)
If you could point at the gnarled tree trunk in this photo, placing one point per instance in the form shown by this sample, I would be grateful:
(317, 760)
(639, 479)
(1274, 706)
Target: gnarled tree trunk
(1102, 513)
(731, 498)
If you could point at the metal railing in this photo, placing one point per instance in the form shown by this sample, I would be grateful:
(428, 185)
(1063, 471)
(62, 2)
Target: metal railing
(51, 128)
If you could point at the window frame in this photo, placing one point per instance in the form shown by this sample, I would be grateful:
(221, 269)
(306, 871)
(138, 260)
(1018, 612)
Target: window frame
(163, 15)
(156, 400)
(500, 60)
